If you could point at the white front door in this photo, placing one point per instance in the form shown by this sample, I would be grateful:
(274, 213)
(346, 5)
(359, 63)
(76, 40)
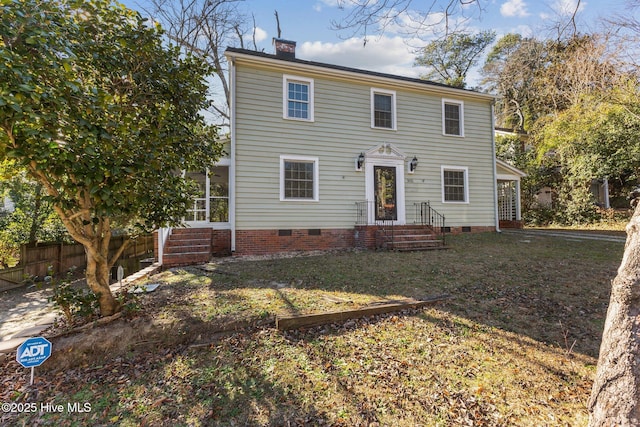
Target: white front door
(385, 190)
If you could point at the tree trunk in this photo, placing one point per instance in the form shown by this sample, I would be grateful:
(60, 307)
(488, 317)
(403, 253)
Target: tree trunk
(98, 281)
(36, 223)
(615, 397)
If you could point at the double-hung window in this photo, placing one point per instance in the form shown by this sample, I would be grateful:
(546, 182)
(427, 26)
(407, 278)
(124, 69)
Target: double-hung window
(383, 109)
(298, 178)
(455, 184)
(297, 98)
(452, 117)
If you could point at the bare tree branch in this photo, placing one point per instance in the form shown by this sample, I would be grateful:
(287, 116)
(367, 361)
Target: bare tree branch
(205, 28)
(412, 18)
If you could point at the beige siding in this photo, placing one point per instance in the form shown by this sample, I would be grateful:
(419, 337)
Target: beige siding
(340, 131)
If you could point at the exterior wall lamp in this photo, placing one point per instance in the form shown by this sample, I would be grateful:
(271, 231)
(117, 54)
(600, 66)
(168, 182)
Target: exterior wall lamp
(413, 164)
(360, 162)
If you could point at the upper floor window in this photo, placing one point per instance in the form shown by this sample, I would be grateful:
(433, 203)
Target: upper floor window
(298, 98)
(383, 109)
(452, 117)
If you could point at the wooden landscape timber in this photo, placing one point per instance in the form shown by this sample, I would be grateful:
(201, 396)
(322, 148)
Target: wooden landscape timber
(284, 323)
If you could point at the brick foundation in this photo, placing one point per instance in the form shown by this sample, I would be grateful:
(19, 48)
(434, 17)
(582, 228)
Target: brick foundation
(221, 242)
(260, 242)
(511, 224)
(470, 229)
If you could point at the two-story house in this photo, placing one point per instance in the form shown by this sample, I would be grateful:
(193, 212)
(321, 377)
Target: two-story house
(328, 157)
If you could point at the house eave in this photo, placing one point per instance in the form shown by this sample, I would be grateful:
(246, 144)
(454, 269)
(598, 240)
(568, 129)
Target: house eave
(515, 171)
(351, 74)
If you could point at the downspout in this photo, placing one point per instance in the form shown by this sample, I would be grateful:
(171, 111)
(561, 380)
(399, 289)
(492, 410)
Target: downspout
(232, 166)
(495, 172)
(605, 182)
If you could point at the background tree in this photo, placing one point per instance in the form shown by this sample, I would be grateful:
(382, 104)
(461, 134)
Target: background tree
(103, 115)
(449, 59)
(205, 28)
(33, 218)
(510, 72)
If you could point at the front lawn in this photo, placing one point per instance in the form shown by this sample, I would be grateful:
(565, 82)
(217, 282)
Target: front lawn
(516, 344)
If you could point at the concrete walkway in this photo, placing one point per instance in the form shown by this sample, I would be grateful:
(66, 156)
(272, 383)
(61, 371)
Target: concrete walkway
(25, 312)
(569, 235)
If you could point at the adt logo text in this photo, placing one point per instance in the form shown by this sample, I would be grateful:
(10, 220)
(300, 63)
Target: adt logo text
(33, 352)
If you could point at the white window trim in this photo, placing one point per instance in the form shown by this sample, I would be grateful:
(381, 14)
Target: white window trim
(316, 176)
(286, 78)
(394, 117)
(459, 103)
(466, 183)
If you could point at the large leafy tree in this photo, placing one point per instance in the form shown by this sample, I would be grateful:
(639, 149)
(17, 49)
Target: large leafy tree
(103, 115)
(510, 71)
(448, 60)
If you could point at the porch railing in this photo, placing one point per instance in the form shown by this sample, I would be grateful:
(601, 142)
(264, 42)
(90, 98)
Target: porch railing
(426, 215)
(423, 214)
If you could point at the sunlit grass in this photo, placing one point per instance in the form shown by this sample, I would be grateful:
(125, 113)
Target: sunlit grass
(514, 345)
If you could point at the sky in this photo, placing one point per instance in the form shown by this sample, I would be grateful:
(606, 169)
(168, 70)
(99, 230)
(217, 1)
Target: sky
(309, 23)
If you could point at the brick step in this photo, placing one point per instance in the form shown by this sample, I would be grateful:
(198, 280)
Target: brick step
(188, 246)
(187, 258)
(192, 235)
(185, 231)
(406, 227)
(205, 249)
(414, 243)
(409, 237)
(182, 240)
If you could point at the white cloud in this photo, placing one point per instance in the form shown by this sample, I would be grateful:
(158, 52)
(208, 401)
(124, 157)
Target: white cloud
(260, 34)
(385, 54)
(514, 8)
(564, 8)
(320, 4)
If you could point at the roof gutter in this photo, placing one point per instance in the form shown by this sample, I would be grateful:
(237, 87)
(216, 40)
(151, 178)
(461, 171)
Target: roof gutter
(354, 75)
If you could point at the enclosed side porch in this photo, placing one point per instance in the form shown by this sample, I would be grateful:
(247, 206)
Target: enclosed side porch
(509, 201)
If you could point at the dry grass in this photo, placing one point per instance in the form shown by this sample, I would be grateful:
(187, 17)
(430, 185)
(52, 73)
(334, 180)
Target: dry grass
(516, 344)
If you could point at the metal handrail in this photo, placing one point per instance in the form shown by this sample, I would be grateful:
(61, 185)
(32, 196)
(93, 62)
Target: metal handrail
(428, 216)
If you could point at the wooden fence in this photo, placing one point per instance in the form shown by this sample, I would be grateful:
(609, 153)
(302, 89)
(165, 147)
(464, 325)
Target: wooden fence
(36, 260)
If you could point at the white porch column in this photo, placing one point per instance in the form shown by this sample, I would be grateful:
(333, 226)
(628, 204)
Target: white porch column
(518, 201)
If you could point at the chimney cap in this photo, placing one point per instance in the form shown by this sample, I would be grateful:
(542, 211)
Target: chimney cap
(279, 40)
(285, 48)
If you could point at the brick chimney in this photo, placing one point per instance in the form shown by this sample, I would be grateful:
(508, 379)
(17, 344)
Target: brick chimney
(285, 48)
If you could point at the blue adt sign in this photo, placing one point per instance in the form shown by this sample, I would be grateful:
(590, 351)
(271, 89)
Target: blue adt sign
(33, 352)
